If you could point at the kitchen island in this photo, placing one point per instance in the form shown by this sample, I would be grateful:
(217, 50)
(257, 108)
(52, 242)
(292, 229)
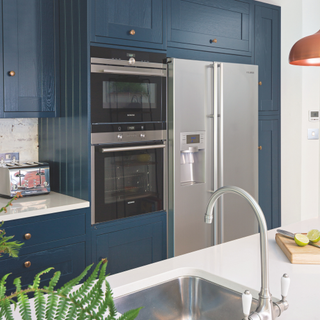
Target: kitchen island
(236, 264)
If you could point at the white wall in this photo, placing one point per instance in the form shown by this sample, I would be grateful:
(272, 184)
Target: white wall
(20, 135)
(299, 93)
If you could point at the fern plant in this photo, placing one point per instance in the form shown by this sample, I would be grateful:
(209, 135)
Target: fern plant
(6, 245)
(93, 300)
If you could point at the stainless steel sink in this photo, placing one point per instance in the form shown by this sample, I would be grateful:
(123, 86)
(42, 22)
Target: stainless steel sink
(185, 298)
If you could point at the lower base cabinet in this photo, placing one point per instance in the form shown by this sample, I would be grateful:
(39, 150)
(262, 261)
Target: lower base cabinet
(69, 260)
(130, 243)
(55, 240)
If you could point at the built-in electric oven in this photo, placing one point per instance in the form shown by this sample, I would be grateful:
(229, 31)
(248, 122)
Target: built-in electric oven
(127, 178)
(128, 133)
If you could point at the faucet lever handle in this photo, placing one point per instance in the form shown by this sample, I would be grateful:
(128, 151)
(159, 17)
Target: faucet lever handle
(285, 283)
(246, 303)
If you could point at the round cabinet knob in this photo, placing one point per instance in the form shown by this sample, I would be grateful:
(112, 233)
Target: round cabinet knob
(213, 40)
(27, 264)
(12, 73)
(260, 83)
(132, 32)
(27, 236)
(260, 147)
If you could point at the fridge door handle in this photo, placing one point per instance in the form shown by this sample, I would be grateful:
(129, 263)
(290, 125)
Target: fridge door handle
(220, 153)
(215, 150)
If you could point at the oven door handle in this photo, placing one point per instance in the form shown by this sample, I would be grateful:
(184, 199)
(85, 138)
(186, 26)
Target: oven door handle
(119, 149)
(128, 70)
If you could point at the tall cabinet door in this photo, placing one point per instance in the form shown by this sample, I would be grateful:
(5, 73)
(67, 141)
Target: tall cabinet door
(269, 171)
(29, 57)
(267, 57)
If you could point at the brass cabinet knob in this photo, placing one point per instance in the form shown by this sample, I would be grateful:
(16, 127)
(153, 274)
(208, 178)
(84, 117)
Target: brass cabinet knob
(132, 32)
(27, 236)
(12, 73)
(260, 83)
(214, 40)
(27, 264)
(260, 147)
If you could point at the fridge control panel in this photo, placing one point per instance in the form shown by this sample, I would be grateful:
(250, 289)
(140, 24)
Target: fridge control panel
(192, 140)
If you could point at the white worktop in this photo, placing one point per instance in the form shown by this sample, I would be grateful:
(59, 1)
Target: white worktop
(32, 206)
(236, 264)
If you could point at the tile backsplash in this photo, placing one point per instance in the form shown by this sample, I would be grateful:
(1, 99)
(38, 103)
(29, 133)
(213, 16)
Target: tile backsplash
(20, 135)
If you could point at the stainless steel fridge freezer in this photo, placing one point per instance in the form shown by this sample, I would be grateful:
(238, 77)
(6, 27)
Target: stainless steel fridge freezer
(213, 142)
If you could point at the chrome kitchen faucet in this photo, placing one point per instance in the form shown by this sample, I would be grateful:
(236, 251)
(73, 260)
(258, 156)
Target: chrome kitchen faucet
(266, 310)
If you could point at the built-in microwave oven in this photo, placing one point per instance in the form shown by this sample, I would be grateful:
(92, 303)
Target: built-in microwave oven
(128, 90)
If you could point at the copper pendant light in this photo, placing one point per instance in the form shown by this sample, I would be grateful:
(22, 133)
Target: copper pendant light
(306, 51)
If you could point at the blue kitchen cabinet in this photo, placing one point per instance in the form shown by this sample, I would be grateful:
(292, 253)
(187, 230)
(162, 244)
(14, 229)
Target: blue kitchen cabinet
(136, 23)
(269, 170)
(56, 240)
(223, 26)
(131, 242)
(30, 58)
(267, 57)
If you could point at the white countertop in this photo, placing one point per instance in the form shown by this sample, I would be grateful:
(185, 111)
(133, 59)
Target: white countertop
(236, 264)
(32, 206)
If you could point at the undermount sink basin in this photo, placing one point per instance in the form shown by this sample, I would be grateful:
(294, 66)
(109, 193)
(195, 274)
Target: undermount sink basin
(185, 298)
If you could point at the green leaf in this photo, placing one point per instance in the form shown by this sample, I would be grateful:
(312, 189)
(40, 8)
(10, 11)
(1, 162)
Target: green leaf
(39, 304)
(3, 288)
(69, 285)
(7, 310)
(36, 281)
(54, 280)
(62, 308)
(24, 305)
(130, 315)
(52, 302)
(72, 312)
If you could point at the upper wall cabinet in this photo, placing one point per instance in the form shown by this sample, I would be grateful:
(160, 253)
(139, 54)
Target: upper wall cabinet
(29, 56)
(219, 26)
(128, 22)
(267, 57)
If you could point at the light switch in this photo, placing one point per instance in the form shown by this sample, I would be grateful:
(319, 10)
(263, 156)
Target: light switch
(313, 134)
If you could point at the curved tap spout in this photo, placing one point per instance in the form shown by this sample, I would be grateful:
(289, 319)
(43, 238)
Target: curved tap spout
(265, 304)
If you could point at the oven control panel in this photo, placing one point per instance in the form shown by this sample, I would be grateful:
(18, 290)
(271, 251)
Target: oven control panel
(127, 136)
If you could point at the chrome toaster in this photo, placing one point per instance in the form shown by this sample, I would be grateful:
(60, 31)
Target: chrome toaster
(28, 178)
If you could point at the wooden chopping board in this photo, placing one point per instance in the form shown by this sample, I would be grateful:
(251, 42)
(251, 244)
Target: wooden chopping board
(299, 255)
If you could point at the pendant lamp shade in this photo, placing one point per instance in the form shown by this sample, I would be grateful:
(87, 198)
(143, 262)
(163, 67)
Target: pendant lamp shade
(306, 51)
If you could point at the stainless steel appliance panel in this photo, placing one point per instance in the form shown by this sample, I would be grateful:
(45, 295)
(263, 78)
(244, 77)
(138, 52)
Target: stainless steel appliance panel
(238, 146)
(218, 101)
(189, 94)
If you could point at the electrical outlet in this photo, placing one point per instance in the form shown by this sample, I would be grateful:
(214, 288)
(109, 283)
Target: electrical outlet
(8, 157)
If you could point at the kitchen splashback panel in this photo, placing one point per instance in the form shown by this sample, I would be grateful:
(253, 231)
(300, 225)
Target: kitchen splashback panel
(20, 135)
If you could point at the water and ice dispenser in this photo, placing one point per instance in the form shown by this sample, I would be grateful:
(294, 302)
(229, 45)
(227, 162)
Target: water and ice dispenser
(192, 157)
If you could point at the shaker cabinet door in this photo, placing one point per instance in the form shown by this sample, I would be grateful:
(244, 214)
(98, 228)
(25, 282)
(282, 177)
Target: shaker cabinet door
(29, 58)
(267, 57)
(269, 170)
(131, 242)
(218, 26)
(131, 22)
